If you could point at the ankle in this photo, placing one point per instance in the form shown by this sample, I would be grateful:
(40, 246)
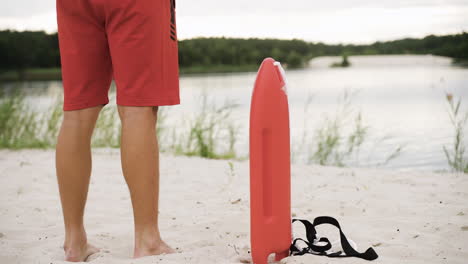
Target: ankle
(75, 238)
(147, 238)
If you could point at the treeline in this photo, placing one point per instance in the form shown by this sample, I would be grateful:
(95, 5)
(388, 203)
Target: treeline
(28, 49)
(24, 50)
(454, 46)
(238, 52)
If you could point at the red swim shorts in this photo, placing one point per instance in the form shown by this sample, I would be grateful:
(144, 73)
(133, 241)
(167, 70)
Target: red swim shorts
(133, 42)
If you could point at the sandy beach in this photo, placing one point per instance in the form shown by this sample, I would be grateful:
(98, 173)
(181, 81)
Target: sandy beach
(409, 217)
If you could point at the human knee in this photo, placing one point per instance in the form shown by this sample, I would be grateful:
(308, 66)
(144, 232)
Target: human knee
(80, 117)
(128, 113)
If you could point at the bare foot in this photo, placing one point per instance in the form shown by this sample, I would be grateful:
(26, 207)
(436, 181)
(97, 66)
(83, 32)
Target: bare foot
(158, 249)
(79, 254)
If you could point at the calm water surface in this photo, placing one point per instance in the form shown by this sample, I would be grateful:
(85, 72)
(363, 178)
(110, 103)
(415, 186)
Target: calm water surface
(401, 98)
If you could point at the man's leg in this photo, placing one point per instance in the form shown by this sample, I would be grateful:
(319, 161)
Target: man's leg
(140, 166)
(73, 164)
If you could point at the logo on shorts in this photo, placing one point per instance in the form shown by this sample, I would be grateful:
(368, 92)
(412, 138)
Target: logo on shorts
(173, 22)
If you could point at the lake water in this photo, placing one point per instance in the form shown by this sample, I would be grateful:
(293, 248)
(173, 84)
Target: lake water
(401, 98)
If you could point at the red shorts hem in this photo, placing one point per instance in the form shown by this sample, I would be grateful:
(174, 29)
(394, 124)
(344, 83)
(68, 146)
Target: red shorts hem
(148, 102)
(78, 106)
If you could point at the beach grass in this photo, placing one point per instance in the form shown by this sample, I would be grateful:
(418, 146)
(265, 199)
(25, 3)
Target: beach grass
(210, 132)
(211, 126)
(52, 119)
(340, 137)
(107, 132)
(456, 154)
(19, 124)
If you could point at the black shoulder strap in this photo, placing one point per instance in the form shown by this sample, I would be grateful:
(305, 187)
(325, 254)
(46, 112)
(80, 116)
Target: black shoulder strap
(313, 248)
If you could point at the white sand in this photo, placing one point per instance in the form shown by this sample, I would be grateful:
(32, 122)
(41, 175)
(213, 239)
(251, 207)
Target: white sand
(411, 217)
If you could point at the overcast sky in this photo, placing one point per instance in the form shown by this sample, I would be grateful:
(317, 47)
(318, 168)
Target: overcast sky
(330, 21)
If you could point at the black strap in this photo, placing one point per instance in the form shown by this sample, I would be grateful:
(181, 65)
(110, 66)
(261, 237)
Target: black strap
(313, 248)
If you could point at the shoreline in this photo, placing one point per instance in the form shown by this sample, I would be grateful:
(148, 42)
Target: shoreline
(54, 74)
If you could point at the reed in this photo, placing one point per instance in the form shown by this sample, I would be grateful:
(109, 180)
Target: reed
(107, 132)
(455, 155)
(211, 132)
(18, 123)
(52, 119)
(206, 132)
(339, 140)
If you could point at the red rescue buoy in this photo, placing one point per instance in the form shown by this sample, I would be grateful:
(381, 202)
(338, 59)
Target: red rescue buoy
(270, 177)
